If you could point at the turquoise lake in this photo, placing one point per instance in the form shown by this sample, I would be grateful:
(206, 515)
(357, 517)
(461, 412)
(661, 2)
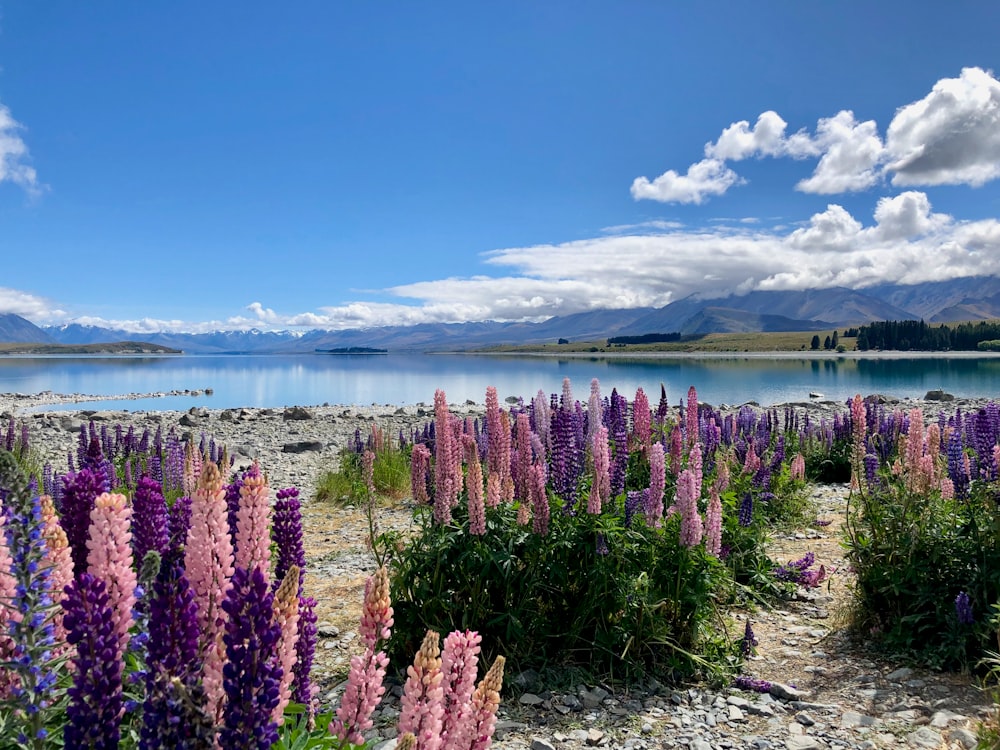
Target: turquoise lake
(274, 381)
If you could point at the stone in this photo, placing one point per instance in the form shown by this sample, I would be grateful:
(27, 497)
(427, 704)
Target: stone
(537, 743)
(803, 718)
(530, 699)
(963, 737)
(898, 675)
(787, 692)
(803, 742)
(699, 745)
(938, 395)
(296, 413)
(942, 719)
(853, 720)
(594, 736)
(302, 446)
(924, 737)
(189, 420)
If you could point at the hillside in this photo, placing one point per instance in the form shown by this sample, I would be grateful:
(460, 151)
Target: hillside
(15, 329)
(119, 347)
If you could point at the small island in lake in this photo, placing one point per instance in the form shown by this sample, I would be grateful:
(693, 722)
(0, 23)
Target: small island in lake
(353, 350)
(118, 347)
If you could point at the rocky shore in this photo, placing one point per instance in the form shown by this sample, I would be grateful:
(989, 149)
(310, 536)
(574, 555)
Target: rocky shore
(827, 690)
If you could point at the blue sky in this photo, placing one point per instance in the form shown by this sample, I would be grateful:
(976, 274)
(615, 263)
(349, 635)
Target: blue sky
(192, 166)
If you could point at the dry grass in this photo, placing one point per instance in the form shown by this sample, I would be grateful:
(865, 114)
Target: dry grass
(713, 342)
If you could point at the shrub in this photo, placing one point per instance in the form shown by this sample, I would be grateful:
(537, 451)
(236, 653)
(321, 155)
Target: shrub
(391, 470)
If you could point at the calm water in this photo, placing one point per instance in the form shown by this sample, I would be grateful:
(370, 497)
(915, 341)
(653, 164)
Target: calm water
(275, 381)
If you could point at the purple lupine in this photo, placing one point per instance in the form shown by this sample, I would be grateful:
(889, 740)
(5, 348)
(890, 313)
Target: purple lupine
(179, 522)
(745, 515)
(8, 442)
(957, 471)
(233, 507)
(963, 608)
(305, 650)
(871, 470)
(149, 519)
(662, 408)
(749, 683)
(286, 532)
(601, 544)
(635, 500)
(749, 641)
(618, 435)
(174, 712)
(95, 699)
(251, 676)
(567, 456)
(80, 490)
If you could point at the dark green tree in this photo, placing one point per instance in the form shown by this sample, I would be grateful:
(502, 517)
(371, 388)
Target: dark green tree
(815, 342)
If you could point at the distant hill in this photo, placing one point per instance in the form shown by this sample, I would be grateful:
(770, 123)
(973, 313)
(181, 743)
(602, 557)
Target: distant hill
(15, 329)
(119, 347)
(775, 311)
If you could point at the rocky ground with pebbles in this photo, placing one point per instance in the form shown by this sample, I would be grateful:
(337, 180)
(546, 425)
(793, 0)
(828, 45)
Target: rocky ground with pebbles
(827, 690)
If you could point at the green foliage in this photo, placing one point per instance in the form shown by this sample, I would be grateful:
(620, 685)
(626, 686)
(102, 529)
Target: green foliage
(302, 731)
(644, 606)
(391, 473)
(913, 553)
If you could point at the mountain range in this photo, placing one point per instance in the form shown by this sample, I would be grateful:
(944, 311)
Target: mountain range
(976, 298)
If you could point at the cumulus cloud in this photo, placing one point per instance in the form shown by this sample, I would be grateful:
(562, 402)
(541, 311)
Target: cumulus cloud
(34, 308)
(704, 178)
(950, 137)
(14, 154)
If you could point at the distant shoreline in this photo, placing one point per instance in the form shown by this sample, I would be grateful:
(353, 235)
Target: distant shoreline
(777, 354)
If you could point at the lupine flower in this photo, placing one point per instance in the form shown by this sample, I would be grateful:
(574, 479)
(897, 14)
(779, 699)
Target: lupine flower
(594, 410)
(749, 641)
(798, 468)
(422, 695)
(110, 559)
(474, 487)
(657, 484)
(305, 650)
(687, 503)
(521, 463)
(149, 518)
(95, 700)
(641, 419)
(691, 417)
(444, 479)
(364, 690)
(420, 462)
(286, 617)
(233, 509)
(798, 572)
(192, 468)
(635, 500)
(459, 662)
(618, 436)
(963, 608)
(713, 521)
(493, 491)
(676, 449)
(600, 488)
(478, 732)
(601, 545)
(539, 500)
(59, 557)
(251, 677)
(748, 683)
(376, 613)
(746, 510)
(253, 523)
(541, 419)
(80, 490)
(209, 564)
(7, 614)
(286, 533)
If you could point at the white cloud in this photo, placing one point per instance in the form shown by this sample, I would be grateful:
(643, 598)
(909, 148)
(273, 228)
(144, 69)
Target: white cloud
(14, 154)
(36, 309)
(951, 136)
(263, 314)
(704, 178)
(654, 224)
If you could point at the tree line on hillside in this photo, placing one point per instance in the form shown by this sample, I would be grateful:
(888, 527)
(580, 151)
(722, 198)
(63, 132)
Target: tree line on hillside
(908, 335)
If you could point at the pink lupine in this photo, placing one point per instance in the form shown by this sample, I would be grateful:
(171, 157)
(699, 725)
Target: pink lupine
(459, 662)
(286, 615)
(457, 452)
(713, 522)
(522, 456)
(192, 468)
(600, 488)
(478, 729)
(253, 523)
(420, 463)
(422, 710)
(109, 557)
(914, 447)
(474, 487)
(691, 416)
(657, 485)
(7, 613)
(947, 488)
(444, 481)
(60, 556)
(507, 488)
(676, 450)
(751, 463)
(934, 439)
(798, 468)
(497, 458)
(641, 420)
(365, 688)
(687, 504)
(695, 464)
(523, 512)
(208, 562)
(539, 500)
(368, 473)
(376, 613)
(595, 408)
(721, 483)
(493, 491)
(543, 419)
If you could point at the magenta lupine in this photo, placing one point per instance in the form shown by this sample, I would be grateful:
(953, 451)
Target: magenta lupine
(444, 480)
(7, 611)
(695, 464)
(208, 560)
(687, 504)
(457, 454)
(420, 463)
(641, 420)
(713, 522)
(253, 523)
(751, 463)
(600, 488)
(521, 464)
(459, 662)
(676, 450)
(595, 409)
(497, 460)
(423, 710)
(539, 500)
(110, 559)
(474, 487)
(286, 617)
(691, 416)
(653, 509)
